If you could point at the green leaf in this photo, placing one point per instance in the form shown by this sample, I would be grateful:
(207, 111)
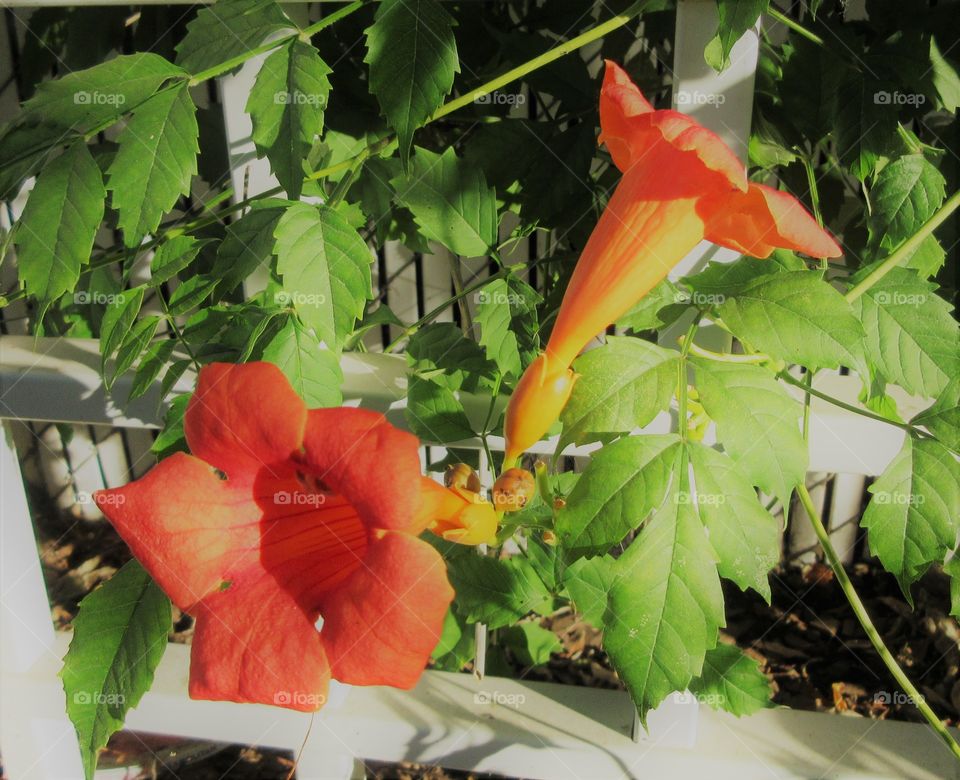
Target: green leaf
(118, 319)
(942, 419)
(325, 266)
(665, 606)
(732, 681)
(757, 424)
(862, 121)
(134, 343)
(119, 636)
(451, 202)
(412, 54)
(588, 581)
(799, 318)
(171, 438)
(190, 294)
(735, 18)
(622, 484)
(530, 643)
(226, 30)
(248, 242)
(911, 335)
(914, 516)
(435, 414)
(945, 78)
(286, 107)
(98, 96)
(172, 256)
(623, 385)
(742, 533)
(496, 592)
(154, 360)
(494, 317)
(314, 371)
(59, 223)
(952, 568)
(719, 281)
(658, 308)
(906, 194)
(156, 158)
(443, 354)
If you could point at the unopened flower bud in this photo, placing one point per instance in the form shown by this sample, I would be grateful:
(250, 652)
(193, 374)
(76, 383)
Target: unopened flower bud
(513, 490)
(460, 475)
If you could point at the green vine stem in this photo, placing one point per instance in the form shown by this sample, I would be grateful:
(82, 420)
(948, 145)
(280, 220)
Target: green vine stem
(686, 343)
(869, 629)
(903, 251)
(798, 28)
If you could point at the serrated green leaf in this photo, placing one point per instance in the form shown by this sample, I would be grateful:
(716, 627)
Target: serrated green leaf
(172, 256)
(118, 319)
(412, 54)
(496, 592)
(913, 518)
(588, 581)
(248, 242)
(119, 636)
(531, 643)
(735, 18)
(133, 345)
(952, 568)
(732, 682)
(742, 533)
(942, 419)
(451, 201)
(494, 317)
(665, 606)
(442, 352)
(226, 30)
(945, 78)
(171, 438)
(190, 294)
(59, 223)
(659, 307)
(797, 317)
(286, 107)
(314, 371)
(435, 414)
(719, 281)
(151, 364)
(325, 266)
(906, 194)
(862, 121)
(623, 385)
(83, 100)
(911, 336)
(155, 161)
(757, 424)
(622, 484)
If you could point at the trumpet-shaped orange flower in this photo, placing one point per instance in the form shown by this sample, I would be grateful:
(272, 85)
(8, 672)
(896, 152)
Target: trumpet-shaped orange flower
(284, 517)
(681, 184)
(458, 514)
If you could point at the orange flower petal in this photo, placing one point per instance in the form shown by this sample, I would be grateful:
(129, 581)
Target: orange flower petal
(256, 644)
(368, 461)
(763, 219)
(380, 627)
(536, 402)
(243, 418)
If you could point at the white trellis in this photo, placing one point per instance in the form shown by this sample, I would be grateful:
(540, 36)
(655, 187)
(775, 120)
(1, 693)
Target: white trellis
(558, 731)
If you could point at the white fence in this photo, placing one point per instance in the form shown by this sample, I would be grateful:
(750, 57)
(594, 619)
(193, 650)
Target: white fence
(454, 720)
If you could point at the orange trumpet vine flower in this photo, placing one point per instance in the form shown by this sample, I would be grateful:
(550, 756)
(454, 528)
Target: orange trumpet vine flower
(681, 184)
(281, 518)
